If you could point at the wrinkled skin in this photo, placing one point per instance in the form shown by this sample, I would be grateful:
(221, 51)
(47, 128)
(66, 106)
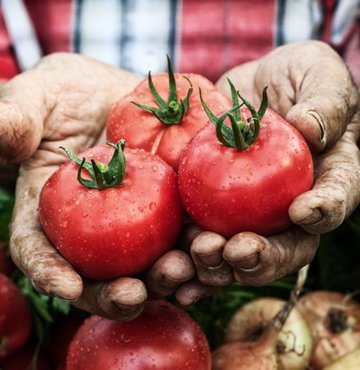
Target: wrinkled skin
(65, 101)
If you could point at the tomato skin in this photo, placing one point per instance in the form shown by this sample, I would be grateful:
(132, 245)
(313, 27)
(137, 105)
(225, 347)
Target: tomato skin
(15, 317)
(228, 192)
(141, 129)
(118, 231)
(163, 337)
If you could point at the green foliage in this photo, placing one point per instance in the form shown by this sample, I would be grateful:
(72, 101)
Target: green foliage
(339, 255)
(213, 313)
(45, 309)
(6, 207)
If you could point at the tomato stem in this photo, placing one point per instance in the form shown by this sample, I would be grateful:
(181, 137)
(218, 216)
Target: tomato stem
(242, 133)
(102, 175)
(172, 111)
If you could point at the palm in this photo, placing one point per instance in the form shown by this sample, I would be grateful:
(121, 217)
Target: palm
(64, 101)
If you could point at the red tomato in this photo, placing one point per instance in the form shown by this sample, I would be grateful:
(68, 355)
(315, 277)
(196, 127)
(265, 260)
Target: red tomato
(229, 191)
(142, 129)
(15, 317)
(162, 337)
(118, 231)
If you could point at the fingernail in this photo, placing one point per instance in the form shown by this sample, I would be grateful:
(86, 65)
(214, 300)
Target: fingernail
(126, 308)
(248, 262)
(211, 260)
(315, 216)
(168, 281)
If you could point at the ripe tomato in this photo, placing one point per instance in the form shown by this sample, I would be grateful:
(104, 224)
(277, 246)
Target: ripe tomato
(117, 231)
(162, 337)
(167, 132)
(15, 317)
(228, 191)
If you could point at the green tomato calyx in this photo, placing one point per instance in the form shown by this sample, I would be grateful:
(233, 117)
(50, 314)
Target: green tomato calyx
(172, 111)
(242, 133)
(102, 176)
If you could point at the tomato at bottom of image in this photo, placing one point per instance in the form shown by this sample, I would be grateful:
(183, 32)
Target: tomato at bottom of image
(162, 337)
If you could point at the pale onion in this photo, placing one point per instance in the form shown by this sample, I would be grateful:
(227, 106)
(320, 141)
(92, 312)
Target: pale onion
(334, 321)
(350, 361)
(253, 342)
(256, 355)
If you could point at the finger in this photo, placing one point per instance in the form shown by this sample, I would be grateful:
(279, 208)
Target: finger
(336, 192)
(29, 248)
(259, 261)
(122, 299)
(206, 252)
(240, 77)
(191, 291)
(321, 112)
(168, 273)
(22, 111)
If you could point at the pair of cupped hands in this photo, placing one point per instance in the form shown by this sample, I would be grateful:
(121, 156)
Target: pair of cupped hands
(65, 100)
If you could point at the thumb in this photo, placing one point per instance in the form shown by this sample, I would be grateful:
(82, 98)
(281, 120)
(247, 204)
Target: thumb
(322, 113)
(22, 112)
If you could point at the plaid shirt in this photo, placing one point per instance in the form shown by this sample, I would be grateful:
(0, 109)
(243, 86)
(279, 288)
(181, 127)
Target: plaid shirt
(201, 36)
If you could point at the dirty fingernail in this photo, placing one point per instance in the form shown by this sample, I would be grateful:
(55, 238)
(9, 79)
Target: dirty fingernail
(168, 281)
(248, 262)
(314, 217)
(211, 260)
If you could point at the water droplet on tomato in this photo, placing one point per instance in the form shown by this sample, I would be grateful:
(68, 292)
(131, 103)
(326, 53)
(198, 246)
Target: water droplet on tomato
(184, 160)
(141, 209)
(152, 206)
(155, 167)
(84, 214)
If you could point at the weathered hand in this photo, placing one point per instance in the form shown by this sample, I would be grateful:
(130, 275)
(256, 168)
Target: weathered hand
(65, 101)
(310, 86)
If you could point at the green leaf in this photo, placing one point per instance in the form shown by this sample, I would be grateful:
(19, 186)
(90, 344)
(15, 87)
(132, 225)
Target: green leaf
(172, 111)
(60, 305)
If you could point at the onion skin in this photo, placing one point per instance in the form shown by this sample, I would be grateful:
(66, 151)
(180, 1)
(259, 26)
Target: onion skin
(244, 356)
(293, 345)
(331, 341)
(350, 361)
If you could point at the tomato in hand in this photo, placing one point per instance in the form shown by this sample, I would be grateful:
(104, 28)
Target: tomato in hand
(15, 317)
(244, 176)
(119, 221)
(163, 337)
(166, 129)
